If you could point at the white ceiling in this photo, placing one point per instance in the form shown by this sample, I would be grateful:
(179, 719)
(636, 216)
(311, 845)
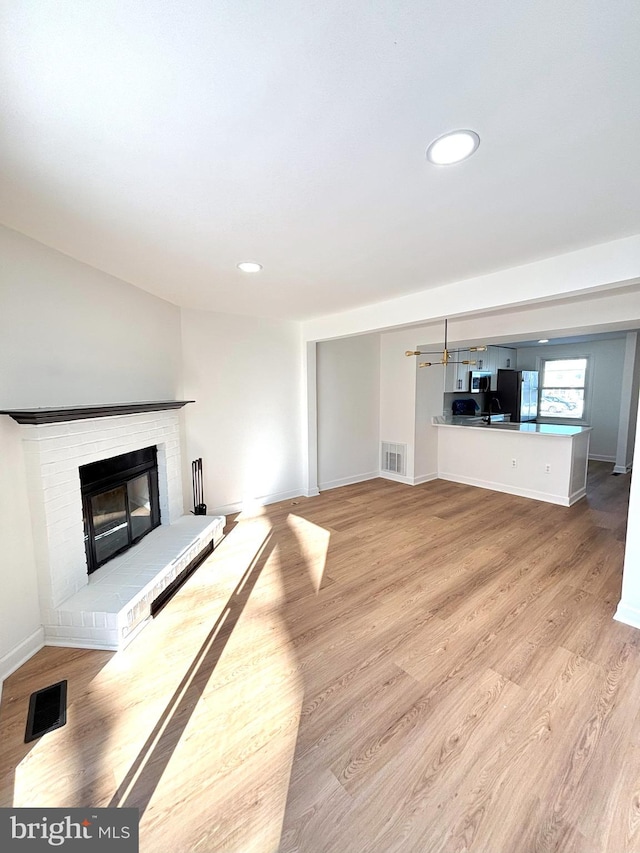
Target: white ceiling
(163, 142)
(568, 340)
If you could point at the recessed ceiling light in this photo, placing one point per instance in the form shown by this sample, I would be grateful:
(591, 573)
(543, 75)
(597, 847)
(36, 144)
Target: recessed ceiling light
(249, 266)
(452, 147)
(544, 341)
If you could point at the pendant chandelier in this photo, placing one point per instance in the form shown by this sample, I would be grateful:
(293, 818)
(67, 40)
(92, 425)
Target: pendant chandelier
(445, 355)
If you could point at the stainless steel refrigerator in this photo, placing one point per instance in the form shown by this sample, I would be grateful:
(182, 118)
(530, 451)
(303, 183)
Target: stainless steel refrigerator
(517, 391)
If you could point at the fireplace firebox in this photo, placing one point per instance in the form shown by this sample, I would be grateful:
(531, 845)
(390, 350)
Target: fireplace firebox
(120, 503)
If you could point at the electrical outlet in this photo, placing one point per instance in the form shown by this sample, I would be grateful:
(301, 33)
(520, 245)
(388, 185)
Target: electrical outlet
(547, 468)
(514, 463)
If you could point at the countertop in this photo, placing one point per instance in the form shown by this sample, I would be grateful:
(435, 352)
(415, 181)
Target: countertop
(478, 418)
(507, 426)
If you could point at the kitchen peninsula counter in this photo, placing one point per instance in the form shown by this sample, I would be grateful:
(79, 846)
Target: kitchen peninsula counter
(547, 462)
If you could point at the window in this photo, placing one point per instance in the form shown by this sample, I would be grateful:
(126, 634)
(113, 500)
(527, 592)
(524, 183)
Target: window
(562, 390)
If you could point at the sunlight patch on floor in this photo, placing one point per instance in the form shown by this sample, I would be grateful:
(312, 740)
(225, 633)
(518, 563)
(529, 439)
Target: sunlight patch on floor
(213, 683)
(244, 729)
(313, 542)
(250, 507)
(60, 757)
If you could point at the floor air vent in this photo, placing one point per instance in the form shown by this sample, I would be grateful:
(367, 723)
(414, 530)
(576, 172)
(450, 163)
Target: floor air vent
(393, 458)
(47, 710)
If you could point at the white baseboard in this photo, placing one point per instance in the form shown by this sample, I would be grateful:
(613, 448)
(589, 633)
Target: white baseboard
(600, 457)
(408, 481)
(80, 644)
(622, 469)
(264, 500)
(397, 478)
(14, 659)
(348, 481)
(628, 615)
(560, 500)
(574, 497)
(425, 478)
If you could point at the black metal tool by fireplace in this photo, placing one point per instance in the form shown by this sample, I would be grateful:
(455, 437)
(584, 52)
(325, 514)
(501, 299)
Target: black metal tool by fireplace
(199, 506)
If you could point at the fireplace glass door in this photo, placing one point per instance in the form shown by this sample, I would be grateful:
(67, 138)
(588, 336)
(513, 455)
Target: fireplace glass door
(139, 505)
(110, 529)
(120, 503)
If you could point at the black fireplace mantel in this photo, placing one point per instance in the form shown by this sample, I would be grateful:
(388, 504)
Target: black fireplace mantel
(61, 414)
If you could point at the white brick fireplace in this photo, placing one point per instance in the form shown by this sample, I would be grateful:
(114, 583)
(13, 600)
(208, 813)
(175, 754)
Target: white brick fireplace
(105, 609)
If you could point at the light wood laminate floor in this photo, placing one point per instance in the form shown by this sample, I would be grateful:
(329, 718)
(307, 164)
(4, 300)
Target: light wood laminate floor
(381, 668)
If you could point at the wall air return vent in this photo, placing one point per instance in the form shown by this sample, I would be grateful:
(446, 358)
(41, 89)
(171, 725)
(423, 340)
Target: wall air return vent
(393, 458)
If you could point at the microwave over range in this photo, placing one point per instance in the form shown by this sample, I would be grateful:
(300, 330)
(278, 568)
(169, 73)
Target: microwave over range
(479, 381)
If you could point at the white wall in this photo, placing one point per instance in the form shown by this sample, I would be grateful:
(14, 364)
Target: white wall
(606, 364)
(398, 396)
(348, 405)
(628, 610)
(429, 397)
(20, 626)
(70, 334)
(633, 407)
(245, 375)
(310, 420)
(563, 276)
(628, 404)
(605, 311)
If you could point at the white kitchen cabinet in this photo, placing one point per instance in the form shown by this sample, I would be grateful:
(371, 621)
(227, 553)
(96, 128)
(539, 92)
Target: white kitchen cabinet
(491, 362)
(462, 370)
(482, 360)
(451, 373)
(457, 375)
(507, 358)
